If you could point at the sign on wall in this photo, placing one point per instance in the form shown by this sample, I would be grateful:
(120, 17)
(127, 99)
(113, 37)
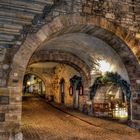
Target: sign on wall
(4, 100)
(2, 117)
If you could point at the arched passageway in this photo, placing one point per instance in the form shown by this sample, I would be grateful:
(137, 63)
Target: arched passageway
(86, 43)
(56, 77)
(32, 85)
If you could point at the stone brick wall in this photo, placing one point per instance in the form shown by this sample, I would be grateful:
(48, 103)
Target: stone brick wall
(109, 98)
(115, 22)
(60, 25)
(62, 56)
(3, 67)
(10, 112)
(125, 13)
(52, 78)
(65, 72)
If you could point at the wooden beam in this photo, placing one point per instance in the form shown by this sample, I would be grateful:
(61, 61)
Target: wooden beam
(22, 5)
(2, 42)
(19, 18)
(10, 25)
(20, 9)
(9, 31)
(7, 42)
(50, 2)
(15, 20)
(10, 13)
(6, 37)
(14, 14)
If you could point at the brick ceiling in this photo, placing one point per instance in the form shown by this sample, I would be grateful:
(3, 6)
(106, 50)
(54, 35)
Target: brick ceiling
(19, 17)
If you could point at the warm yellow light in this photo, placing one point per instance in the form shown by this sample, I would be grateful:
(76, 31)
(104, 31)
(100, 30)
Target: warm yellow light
(104, 66)
(138, 35)
(110, 93)
(120, 113)
(28, 83)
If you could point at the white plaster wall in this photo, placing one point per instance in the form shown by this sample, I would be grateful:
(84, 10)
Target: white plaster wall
(90, 50)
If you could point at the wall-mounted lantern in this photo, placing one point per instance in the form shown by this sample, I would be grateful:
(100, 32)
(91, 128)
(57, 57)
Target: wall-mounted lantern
(28, 83)
(81, 90)
(76, 84)
(71, 91)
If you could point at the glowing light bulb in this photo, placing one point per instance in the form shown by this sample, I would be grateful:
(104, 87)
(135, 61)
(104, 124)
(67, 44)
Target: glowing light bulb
(28, 83)
(104, 66)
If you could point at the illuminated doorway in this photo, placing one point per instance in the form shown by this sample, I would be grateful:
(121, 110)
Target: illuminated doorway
(110, 102)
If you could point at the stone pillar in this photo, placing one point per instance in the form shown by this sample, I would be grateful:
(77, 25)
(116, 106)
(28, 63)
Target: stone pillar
(87, 103)
(135, 105)
(10, 113)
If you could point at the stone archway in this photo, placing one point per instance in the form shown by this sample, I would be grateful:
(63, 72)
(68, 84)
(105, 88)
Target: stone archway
(39, 75)
(59, 25)
(62, 57)
(73, 23)
(68, 59)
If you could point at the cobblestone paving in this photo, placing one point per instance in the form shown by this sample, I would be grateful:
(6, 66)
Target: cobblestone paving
(41, 121)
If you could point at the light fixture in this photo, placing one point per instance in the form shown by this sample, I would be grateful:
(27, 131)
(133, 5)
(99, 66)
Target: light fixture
(138, 35)
(28, 83)
(110, 93)
(104, 66)
(120, 113)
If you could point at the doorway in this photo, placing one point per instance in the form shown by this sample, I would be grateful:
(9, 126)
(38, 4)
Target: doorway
(110, 102)
(62, 88)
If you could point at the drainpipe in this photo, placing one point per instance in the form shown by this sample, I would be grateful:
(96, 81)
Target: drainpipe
(131, 112)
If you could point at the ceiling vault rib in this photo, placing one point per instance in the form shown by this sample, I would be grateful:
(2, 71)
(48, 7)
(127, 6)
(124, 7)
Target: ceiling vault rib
(15, 21)
(18, 17)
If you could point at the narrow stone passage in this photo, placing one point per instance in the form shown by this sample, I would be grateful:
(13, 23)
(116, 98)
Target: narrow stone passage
(41, 121)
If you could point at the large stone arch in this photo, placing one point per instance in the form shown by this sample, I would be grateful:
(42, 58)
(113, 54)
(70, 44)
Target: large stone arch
(65, 24)
(41, 76)
(116, 36)
(62, 57)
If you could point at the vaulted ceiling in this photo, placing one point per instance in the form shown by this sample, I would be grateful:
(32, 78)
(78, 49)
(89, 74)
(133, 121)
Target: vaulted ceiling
(19, 17)
(25, 25)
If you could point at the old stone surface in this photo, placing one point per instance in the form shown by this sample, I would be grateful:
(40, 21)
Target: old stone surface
(2, 117)
(52, 76)
(27, 26)
(59, 125)
(4, 100)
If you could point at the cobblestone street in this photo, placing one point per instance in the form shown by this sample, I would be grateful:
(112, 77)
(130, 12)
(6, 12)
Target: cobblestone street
(41, 121)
